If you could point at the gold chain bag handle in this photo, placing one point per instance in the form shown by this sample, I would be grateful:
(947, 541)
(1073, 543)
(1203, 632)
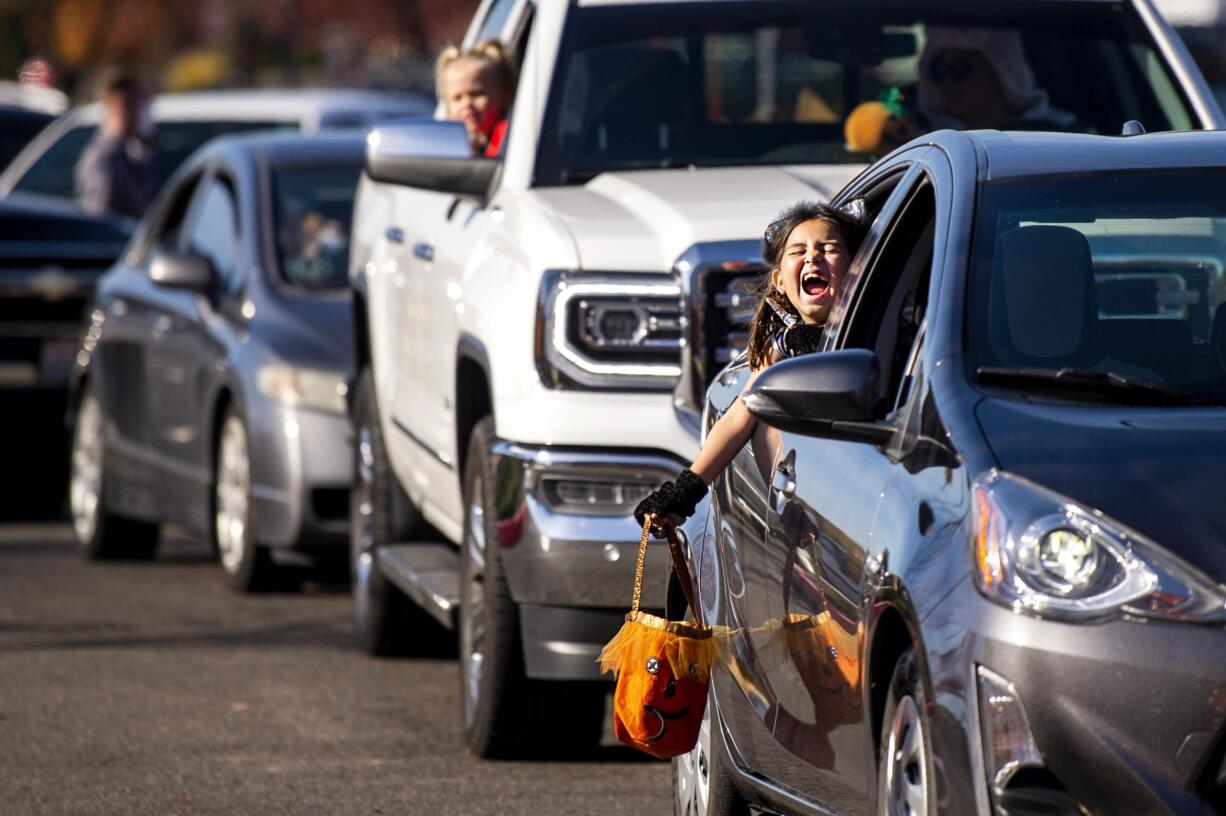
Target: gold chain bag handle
(662, 667)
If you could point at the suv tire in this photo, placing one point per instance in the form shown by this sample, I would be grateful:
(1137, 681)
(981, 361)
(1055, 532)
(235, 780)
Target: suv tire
(101, 533)
(380, 513)
(502, 709)
(905, 777)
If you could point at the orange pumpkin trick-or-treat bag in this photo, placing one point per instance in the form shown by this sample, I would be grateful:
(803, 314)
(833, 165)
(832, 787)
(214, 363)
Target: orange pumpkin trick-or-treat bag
(661, 668)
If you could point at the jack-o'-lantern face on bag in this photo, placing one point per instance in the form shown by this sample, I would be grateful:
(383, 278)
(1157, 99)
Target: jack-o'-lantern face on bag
(657, 711)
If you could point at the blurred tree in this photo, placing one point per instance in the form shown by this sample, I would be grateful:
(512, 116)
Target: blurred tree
(389, 43)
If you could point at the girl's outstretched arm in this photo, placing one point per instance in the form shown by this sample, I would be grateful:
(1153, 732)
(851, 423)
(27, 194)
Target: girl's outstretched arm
(675, 501)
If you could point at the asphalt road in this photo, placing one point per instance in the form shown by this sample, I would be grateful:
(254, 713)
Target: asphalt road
(150, 688)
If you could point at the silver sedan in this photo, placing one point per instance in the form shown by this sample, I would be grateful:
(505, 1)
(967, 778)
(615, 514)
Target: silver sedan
(209, 389)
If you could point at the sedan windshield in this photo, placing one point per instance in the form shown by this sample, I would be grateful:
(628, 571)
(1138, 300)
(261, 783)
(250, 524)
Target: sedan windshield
(312, 211)
(752, 83)
(1108, 287)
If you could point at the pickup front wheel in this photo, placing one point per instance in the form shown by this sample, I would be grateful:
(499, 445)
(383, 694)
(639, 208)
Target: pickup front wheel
(506, 714)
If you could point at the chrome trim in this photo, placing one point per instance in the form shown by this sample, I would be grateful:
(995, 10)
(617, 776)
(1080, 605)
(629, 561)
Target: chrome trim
(693, 271)
(559, 362)
(438, 456)
(558, 558)
(417, 138)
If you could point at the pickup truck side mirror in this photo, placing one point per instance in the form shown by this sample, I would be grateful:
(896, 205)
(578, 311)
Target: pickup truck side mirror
(181, 270)
(830, 395)
(430, 155)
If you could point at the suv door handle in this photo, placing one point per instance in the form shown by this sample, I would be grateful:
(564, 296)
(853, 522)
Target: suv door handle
(394, 234)
(424, 251)
(783, 484)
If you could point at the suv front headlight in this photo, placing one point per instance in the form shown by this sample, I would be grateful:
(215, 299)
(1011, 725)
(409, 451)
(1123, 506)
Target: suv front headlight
(1039, 552)
(303, 387)
(609, 330)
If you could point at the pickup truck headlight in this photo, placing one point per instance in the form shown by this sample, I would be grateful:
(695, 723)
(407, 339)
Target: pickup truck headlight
(1039, 552)
(303, 387)
(609, 330)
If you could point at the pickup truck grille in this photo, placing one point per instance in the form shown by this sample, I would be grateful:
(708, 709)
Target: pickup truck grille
(718, 280)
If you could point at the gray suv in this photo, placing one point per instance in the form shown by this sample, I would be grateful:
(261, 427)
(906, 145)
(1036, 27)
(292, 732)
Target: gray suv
(978, 565)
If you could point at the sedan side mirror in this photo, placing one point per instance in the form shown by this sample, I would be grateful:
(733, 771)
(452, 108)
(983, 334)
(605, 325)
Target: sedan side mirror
(430, 155)
(181, 270)
(832, 395)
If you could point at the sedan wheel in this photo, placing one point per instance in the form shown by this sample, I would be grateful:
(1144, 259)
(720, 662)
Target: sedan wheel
(233, 492)
(85, 481)
(248, 566)
(100, 533)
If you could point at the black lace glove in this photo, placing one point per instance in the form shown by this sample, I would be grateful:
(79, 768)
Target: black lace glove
(676, 498)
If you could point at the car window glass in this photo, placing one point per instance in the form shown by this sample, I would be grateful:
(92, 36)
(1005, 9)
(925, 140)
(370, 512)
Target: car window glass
(1114, 272)
(164, 235)
(52, 172)
(214, 232)
(890, 308)
(495, 20)
(312, 213)
(740, 85)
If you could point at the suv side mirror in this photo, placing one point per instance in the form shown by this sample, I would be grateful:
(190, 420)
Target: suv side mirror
(181, 270)
(830, 395)
(430, 155)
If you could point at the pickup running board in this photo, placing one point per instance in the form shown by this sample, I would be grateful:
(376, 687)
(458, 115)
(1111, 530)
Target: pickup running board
(428, 573)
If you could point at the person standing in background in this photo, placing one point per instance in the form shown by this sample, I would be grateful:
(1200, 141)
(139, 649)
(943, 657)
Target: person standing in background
(115, 171)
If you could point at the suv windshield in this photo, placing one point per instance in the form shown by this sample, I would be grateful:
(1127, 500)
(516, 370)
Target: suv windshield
(752, 83)
(52, 172)
(1104, 274)
(312, 211)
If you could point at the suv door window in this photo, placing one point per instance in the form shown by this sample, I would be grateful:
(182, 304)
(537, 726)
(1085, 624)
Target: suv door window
(889, 308)
(495, 20)
(214, 231)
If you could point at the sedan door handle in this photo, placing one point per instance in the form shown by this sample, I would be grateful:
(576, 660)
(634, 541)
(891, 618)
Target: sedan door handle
(394, 234)
(424, 251)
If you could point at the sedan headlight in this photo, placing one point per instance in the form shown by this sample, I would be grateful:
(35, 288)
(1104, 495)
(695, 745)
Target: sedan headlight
(609, 330)
(304, 387)
(1036, 551)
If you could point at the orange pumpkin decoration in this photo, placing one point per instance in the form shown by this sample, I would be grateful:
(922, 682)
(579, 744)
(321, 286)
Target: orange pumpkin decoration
(662, 669)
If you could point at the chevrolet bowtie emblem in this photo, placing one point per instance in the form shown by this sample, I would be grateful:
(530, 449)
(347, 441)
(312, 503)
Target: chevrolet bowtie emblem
(53, 283)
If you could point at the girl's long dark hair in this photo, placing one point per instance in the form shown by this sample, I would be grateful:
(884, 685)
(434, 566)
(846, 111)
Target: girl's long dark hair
(766, 324)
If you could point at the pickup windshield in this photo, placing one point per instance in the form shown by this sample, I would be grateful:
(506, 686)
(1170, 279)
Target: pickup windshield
(1115, 280)
(752, 83)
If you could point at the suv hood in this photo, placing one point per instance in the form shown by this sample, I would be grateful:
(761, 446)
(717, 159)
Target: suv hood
(644, 220)
(1158, 470)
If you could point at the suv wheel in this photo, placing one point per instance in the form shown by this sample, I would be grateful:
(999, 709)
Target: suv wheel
(101, 534)
(379, 514)
(248, 566)
(701, 783)
(904, 768)
(502, 708)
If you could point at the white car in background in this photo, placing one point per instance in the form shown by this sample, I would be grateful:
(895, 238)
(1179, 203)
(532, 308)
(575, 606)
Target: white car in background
(186, 121)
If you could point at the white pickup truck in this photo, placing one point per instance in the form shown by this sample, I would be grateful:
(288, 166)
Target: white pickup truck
(536, 331)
